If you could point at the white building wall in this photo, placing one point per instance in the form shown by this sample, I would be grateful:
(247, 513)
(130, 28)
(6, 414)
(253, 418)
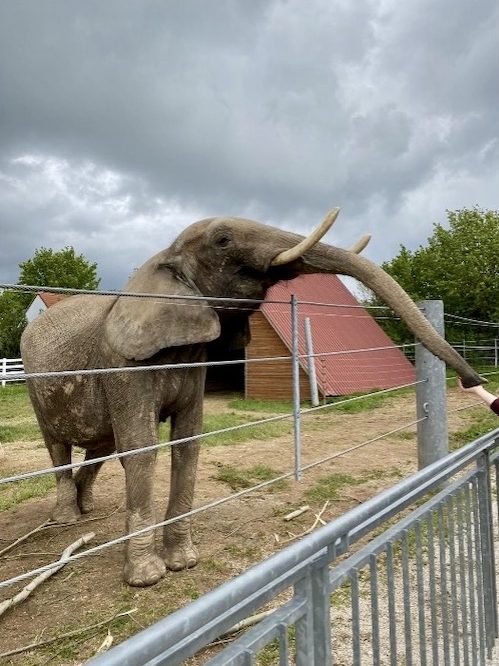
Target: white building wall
(36, 308)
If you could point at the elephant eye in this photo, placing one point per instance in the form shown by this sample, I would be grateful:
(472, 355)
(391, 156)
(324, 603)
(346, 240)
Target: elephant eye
(222, 241)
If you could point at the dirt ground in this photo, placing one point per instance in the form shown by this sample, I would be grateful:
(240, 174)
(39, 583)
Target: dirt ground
(229, 538)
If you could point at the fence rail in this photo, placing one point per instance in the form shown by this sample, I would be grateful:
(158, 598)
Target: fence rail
(444, 611)
(10, 366)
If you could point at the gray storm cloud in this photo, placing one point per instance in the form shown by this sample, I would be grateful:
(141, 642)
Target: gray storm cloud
(123, 121)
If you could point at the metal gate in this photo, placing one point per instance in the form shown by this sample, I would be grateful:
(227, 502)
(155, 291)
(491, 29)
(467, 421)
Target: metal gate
(420, 591)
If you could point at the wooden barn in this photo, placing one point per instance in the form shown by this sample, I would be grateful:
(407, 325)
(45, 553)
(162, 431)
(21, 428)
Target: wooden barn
(335, 328)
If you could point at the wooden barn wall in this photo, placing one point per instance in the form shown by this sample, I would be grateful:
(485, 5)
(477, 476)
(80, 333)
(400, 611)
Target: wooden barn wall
(271, 380)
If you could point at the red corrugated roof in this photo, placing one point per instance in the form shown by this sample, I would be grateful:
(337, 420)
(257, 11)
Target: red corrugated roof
(50, 299)
(336, 329)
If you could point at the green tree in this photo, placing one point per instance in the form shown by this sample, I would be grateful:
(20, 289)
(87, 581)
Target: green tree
(12, 322)
(47, 268)
(61, 268)
(459, 264)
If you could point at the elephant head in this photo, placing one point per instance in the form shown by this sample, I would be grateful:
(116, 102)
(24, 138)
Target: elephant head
(236, 258)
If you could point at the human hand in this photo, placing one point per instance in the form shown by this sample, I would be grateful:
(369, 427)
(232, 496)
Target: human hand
(471, 389)
(484, 395)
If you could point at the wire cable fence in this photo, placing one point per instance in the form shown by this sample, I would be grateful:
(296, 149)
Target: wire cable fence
(472, 321)
(218, 299)
(184, 440)
(182, 366)
(193, 512)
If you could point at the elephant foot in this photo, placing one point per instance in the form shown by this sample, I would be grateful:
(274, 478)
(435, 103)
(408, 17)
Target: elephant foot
(180, 557)
(144, 571)
(85, 501)
(65, 514)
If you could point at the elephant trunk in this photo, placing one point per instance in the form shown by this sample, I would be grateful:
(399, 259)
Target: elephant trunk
(326, 259)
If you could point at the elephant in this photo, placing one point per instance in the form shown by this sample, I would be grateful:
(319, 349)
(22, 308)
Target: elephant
(221, 257)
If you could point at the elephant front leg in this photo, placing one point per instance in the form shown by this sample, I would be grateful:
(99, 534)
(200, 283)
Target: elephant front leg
(142, 565)
(179, 552)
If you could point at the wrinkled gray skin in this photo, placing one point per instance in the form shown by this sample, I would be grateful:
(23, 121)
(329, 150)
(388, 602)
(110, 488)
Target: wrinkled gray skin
(227, 257)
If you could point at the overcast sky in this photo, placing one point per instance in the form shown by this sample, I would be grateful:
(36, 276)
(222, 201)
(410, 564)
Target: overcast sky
(122, 121)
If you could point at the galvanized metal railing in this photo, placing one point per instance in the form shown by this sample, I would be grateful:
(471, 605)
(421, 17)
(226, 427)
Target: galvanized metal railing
(423, 591)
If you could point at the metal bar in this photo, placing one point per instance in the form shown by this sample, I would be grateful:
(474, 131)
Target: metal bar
(407, 600)
(453, 578)
(487, 550)
(474, 626)
(248, 658)
(296, 387)
(431, 396)
(433, 589)
(443, 585)
(283, 645)
(479, 574)
(304, 625)
(354, 600)
(314, 393)
(496, 466)
(462, 577)
(321, 612)
(373, 570)
(378, 544)
(391, 603)
(421, 594)
(492, 561)
(256, 638)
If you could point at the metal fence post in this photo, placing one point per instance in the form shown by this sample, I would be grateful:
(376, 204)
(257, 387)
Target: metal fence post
(487, 552)
(314, 393)
(321, 613)
(304, 636)
(431, 394)
(296, 387)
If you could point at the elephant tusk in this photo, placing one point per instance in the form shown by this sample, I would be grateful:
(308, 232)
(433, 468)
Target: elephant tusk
(298, 250)
(360, 244)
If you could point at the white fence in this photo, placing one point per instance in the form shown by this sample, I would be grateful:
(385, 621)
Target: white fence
(11, 365)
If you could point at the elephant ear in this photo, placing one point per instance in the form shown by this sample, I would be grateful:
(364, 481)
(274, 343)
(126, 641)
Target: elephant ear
(139, 327)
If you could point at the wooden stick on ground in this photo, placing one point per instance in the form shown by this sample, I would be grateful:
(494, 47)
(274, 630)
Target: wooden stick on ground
(244, 624)
(23, 538)
(69, 634)
(247, 622)
(26, 591)
(318, 519)
(298, 512)
(49, 523)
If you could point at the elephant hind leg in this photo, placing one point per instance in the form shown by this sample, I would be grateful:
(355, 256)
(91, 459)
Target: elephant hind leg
(85, 476)
(66, 509)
